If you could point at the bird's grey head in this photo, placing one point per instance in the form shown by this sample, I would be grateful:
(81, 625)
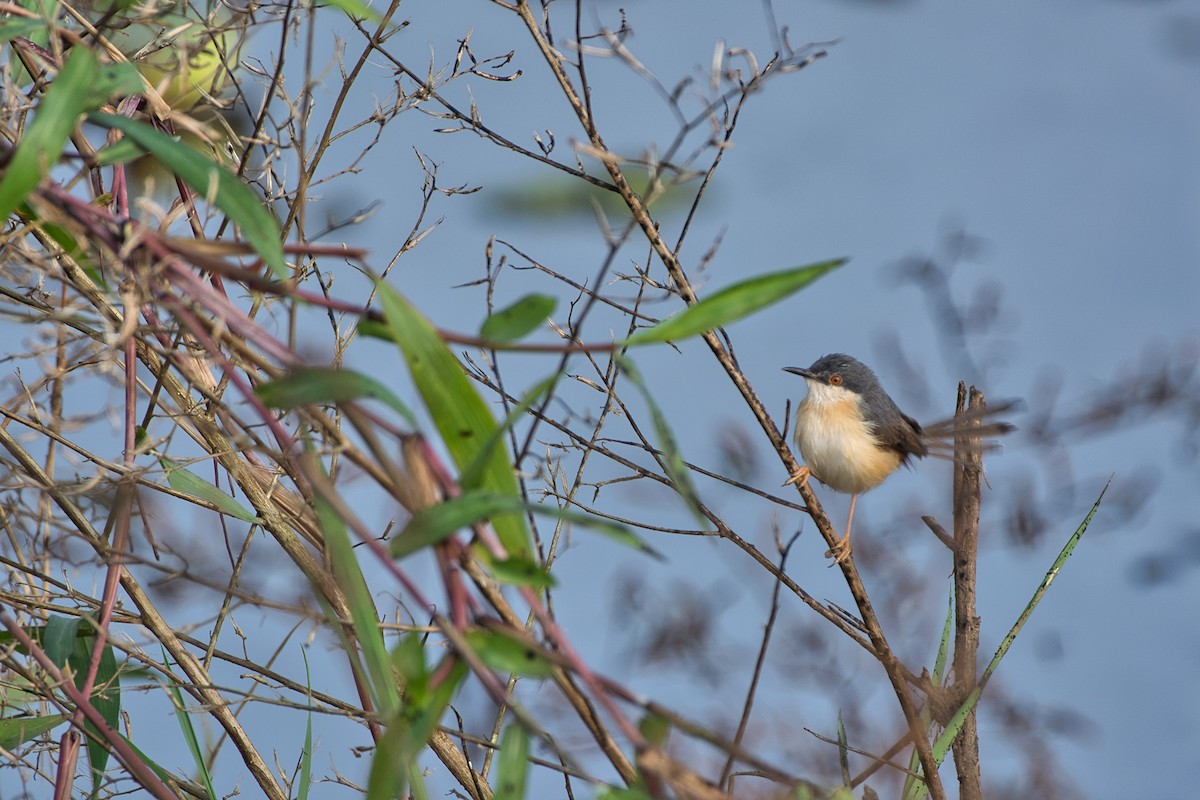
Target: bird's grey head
(839, 369)
(831, 377)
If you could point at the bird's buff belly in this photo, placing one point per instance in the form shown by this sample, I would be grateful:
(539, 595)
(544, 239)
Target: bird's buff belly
(842, 452)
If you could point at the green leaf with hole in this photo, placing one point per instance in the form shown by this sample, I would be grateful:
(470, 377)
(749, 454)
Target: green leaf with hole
(188, 482)
(83, 84)
(313, 385)
(519, 319)
(211, 181)
(465, 423)
(734, 302)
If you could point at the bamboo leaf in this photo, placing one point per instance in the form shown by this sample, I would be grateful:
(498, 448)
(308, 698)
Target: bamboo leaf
(512, 770)
(16, 730)
(212, 182)
(521, 318)
(734, 302)
(188, 482)
(304, 386)
(82, 84)
(464, 422)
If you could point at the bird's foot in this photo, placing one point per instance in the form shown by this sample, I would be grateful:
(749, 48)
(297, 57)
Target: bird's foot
(799, 477)
(840, 552)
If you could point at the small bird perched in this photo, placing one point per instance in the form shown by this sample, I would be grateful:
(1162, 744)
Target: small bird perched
(852, 435)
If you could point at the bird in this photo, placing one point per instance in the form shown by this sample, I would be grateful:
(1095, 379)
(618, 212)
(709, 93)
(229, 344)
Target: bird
(852, 435)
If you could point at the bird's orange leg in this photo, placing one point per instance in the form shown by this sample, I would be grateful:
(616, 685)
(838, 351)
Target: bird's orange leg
(841, 550)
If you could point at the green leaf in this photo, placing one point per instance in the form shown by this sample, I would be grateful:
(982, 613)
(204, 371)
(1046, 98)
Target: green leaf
(212, 182)
(672, 460)
(733, 302)
(121, 151)
(304, 781)
(82, 84)
(942, 745)
(184, 718)
(408, 657)
(463, 420)
(355, 9)
(106, 698)
(20, 26)
(507, 654)
(512, 769)
(522, 317)
(188, 482)
(15, 731)
(473, 474)
(655, 729)
(304, 386)
(363, 615)
(394, 764)
(59, 637)
(432, 525)
(518, 571)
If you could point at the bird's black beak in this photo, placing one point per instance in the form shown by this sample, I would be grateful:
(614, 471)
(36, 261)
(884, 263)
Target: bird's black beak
(803, 373)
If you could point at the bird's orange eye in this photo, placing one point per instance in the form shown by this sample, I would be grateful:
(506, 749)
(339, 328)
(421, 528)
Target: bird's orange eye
(835, 379)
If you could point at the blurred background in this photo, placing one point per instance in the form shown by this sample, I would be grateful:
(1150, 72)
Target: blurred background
(1015, 186)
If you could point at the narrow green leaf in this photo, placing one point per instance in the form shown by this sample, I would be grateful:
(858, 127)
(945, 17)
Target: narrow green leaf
(507, 654)
(519, 572)
(20, 26)
(163, 775)
(394, 764)
(82, 84)
(15, 731)
(119, 152)
(304, 782)
(408, 657)
(512, 769)
(311, 385)
(464, 422)
(355, 9)
(188, 482)
(472, 475)
(375, 329)
(843, 750)
(672, 460)
(184, 718)
(734, 302)
(522, 317)
(617, 532)
(942, 745)
(431, 525)
(390, 768)
(363, 615)
(635, 792)
(212, 182)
